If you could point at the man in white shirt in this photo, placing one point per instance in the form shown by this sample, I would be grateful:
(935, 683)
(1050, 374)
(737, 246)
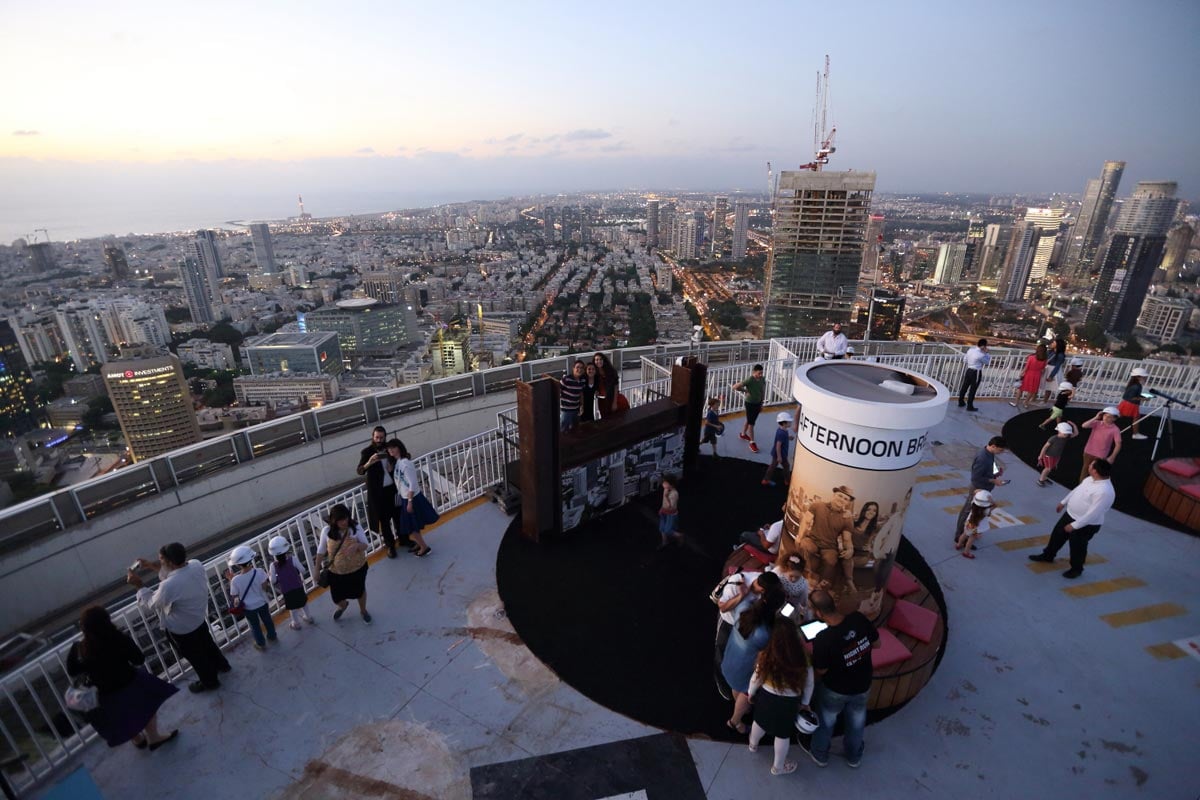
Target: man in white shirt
(181, 602)
(1082, 515)
(765, 538)
(833, 344)
(976, 358)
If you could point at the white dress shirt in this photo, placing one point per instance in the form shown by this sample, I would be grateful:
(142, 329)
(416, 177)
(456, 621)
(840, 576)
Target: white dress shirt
(832, 344)
(181, 600)
(977, 359)
(1088, 501)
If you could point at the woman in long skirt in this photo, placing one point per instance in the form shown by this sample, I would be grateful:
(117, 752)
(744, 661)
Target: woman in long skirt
(344, 543)
(129, 696)
(414, 509)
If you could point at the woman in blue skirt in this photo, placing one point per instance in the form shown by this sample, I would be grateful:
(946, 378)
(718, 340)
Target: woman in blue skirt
(413, 509)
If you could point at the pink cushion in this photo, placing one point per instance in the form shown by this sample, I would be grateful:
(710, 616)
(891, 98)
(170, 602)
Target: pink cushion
(1192, 489)
(910, 618)
(900, 583)
(890, 650)
(1184, 467)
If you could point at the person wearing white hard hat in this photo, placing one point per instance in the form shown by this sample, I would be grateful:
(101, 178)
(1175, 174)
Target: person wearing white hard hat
(1066, 391)
(1053, 449)
(1075, 372)
(289, 580)
(1104, 438)
(1131, 400)
(779, 450)
(977, 522)
(248, 590)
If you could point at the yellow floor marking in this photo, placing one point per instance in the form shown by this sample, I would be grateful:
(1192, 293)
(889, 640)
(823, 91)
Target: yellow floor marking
(1021, 544)
(1103, 587)
(1136, 616)
(936, 477)
(1167, 651)
(961, 491)
(1028, 520)
(1061, 564)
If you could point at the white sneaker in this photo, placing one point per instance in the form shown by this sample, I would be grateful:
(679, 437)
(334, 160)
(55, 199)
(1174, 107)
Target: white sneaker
(1140, 436)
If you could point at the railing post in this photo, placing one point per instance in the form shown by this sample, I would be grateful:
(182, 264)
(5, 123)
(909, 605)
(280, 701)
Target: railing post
(427, 395)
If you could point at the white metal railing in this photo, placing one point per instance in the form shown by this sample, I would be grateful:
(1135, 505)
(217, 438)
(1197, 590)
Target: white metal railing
(38, 734)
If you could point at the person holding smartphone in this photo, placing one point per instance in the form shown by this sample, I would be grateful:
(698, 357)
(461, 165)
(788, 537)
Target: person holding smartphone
(381, 488)
(985, 474)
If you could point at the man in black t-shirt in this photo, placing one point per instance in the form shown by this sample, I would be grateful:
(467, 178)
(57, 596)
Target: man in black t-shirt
(842, 660)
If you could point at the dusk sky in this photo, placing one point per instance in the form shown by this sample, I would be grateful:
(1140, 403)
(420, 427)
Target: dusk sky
(241, 106)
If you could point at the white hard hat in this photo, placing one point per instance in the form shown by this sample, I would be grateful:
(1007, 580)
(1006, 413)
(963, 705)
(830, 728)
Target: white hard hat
(806, 721)
(1066, 385)
(1048, 335)
(1111, 410)
(278, 545)
(1064, 427)
(983, 499)
(783, 416)
(849, 349)
(240, 555)
(1077, 362)
(1138, 372)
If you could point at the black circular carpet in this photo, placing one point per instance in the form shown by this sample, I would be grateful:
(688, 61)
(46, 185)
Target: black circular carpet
(1130, 470)
(632, 627)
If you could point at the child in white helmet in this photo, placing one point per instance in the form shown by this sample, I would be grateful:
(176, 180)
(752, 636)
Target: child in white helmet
(977, 522)
(1052, 450)
(779, 448)
(1066, 392)
(248, 588)
(289, 580)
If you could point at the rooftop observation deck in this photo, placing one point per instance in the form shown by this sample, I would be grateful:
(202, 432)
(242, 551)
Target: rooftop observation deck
(1046, 687)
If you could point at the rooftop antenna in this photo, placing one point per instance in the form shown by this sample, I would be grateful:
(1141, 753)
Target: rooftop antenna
(823, 135)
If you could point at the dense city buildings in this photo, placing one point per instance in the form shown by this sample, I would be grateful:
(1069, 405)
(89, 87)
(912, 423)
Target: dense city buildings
(366, 328)
(1162, 318)
(1088, 232)
(264, 251)
(309, 353)
(816, 250)
(276, 389)
(153, 405)
(1132, 254)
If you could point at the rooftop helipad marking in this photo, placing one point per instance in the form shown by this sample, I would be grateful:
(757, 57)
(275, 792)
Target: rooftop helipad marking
(1061, 564)
(936, 477)
(1026, 519)
(1167, 651)
(1103, 587)
(1190, 645)
(1021, 544)
(961, 491)
(1136, 616)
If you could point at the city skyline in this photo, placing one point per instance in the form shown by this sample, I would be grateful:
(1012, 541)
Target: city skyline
(376, 109)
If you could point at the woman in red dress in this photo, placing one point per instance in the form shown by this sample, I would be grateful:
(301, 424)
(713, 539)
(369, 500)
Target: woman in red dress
(1031, 381)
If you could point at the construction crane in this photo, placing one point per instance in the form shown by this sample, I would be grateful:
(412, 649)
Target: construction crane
(41, 230)
(823, 135)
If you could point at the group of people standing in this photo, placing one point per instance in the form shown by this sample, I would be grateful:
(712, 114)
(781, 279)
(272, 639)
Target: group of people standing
(589, 392)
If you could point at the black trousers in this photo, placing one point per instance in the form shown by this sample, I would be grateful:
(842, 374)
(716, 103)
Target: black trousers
(1078, 539)
(382, 513)
(970, 384)
(202, 653)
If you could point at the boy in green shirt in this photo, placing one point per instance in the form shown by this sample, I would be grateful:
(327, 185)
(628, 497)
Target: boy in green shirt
(753, 388)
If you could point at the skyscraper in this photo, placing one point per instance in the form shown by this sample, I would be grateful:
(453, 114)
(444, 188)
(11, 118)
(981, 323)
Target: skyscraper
(976, 234)
(1179, 240)
(816, 250)
(1134, 251)
(720, 211)
(1048, 222)
(741, 224)
(952, 260)
(685, 234)
(1022, 247)
(115, 260)
(197, 291)
(204, 248)
(264, 251)
(995, 244)
(153, 405)
(16, 413)
(41, 257)
(84, 334)
(871, 247)
(652, 223)
(1086, 236)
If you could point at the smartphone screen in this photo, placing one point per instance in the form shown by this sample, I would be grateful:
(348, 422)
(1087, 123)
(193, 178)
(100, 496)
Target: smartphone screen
(811, 629)
(787, 609)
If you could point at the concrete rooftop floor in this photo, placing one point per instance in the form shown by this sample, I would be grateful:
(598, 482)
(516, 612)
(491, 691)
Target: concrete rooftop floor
(1041, 692)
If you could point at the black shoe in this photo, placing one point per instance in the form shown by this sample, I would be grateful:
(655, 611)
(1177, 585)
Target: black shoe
(961, 404)
(1045, 559)
(196, 687)
(972, 408)
(1072, 574)
(391, 552)
(224, 668)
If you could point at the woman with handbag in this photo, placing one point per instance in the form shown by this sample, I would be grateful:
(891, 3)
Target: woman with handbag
(344, 543)
(127, 697)
(414, 511)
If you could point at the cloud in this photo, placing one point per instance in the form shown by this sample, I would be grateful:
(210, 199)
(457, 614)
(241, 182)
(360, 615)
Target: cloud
(586, 134)
(26, 133)
(615, 148)
(673, 123)
(365, 150)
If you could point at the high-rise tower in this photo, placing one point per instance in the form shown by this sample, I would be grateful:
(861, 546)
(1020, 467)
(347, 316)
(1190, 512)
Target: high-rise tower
(1134, 251)
(652, 223)
(264, 251)
(197, 290)
(816, 250)
(1179, 240)
(153, 405)
(1022, 247)
(741, 224)
(1048, 222)
(115, 260)
(204, 248)
(1086, 236)
(720, 211)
